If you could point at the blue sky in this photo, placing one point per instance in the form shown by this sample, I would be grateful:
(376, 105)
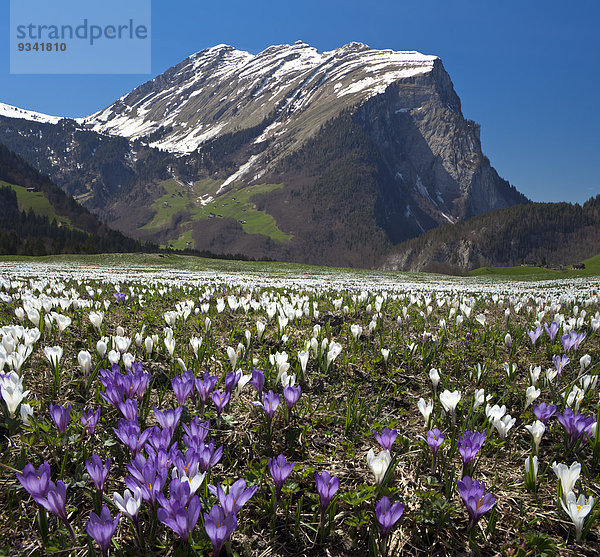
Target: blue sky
(528, 72)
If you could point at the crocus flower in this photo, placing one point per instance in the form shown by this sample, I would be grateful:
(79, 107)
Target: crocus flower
(102, 528)
(567, 476)
(531, 394)
(575, 425)
(180, 519)
(434, 439)
(291, 396)
(258, 381)
(147, 477)
(534, 335)
(469, 445)
(56, 503)
(269, 404)
(231, 380)
(195, 433)
(449, 401)
(219, 527)
(131, 436)
(129, 503)
(36, 482)
(237, 496)
(544, 411)
(327, 487)
(536, 429)
(476, 500)
(280, 469)
(552, 330)
(504, 425)
(98, 471)
(90, 420)
(205, 385)
(379, 463)
(128, 409)
(220, 400)
(560, 362)
(387, 515)
(426, 408)
(182, 387)
(61, 416)
(386, 438)
(208, 456)
(577, 509)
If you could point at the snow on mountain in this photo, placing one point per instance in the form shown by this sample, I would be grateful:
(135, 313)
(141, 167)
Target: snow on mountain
(222, 89)
(15, 112)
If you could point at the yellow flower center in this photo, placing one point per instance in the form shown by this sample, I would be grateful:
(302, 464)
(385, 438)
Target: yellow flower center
(479, 503)
(578, 508)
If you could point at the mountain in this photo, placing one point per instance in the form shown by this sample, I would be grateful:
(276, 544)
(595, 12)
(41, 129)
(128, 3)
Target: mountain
(327, 158)
(38, 218)
(551, 234)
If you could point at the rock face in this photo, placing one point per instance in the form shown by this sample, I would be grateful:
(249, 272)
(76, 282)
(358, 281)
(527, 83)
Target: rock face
(336, 156)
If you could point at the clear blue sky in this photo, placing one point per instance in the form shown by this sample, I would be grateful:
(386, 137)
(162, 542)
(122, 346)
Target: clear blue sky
(527, 71)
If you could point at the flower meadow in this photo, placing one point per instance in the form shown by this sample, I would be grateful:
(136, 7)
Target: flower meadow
(274, 411)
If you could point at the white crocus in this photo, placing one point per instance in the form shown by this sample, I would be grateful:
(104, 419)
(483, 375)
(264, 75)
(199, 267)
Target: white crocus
(504, 425)
(129, 503)
(54, 355)
(356, 331)
(577, 509)
(303, 359)
(531, 394)
(567, 476)
(260, 330)
(584, 362)
(196, 343)
(84, 359)
(170, 345)
(534, 374)
(532, 462)
(434, 375)
(537, 430)
(11, 386)
(426, 408)
(149, 345)
(26, 413)
(450, 400)
(101, 348)
(114, 357)
(386, 354)
(335, 349)
(495, 412)
(379, 463)
(233, 356)
(479, 398)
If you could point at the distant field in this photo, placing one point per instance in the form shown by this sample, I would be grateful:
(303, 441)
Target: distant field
(592, 267)
(36, 201)
(235, 204)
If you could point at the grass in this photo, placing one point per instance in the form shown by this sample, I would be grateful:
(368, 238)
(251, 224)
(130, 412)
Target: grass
(36, 201)
(236, 204)
(592, 267)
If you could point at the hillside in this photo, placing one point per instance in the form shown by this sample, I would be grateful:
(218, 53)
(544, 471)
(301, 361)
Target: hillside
(552, 234)
(37, 218)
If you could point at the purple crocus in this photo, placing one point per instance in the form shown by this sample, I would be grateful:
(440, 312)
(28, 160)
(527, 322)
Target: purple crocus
(544, 412)
(205, 386)
(168, 418)
(98, 471)
(560, 362)
(180, 519)
(387, 515)
(469, 444)
(147, 477)
(291, 396)
(195, 433)
(119, 297)
(102, 528)
(269, 404)
(183, 386)
(131, 436)
(476, 500)
(160, 439)
(90, 420)
(231, 381)
(534, 335)
(56, 503)
(128, 409)
(208, 456)
(280, 469)
(575, 424)
(327, 487)
(60, 416)
(220, 399)
(258, 381)
(386, 438)
(236, 498)
(572, 341)
(219, 527)
(36, 482)
(552, 330)
(434, 439)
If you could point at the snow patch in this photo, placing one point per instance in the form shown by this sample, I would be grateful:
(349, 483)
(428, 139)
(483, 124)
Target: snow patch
(15, 112)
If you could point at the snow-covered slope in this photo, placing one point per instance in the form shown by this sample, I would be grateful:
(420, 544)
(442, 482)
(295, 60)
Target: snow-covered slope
(222, 89)
(15, 112)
